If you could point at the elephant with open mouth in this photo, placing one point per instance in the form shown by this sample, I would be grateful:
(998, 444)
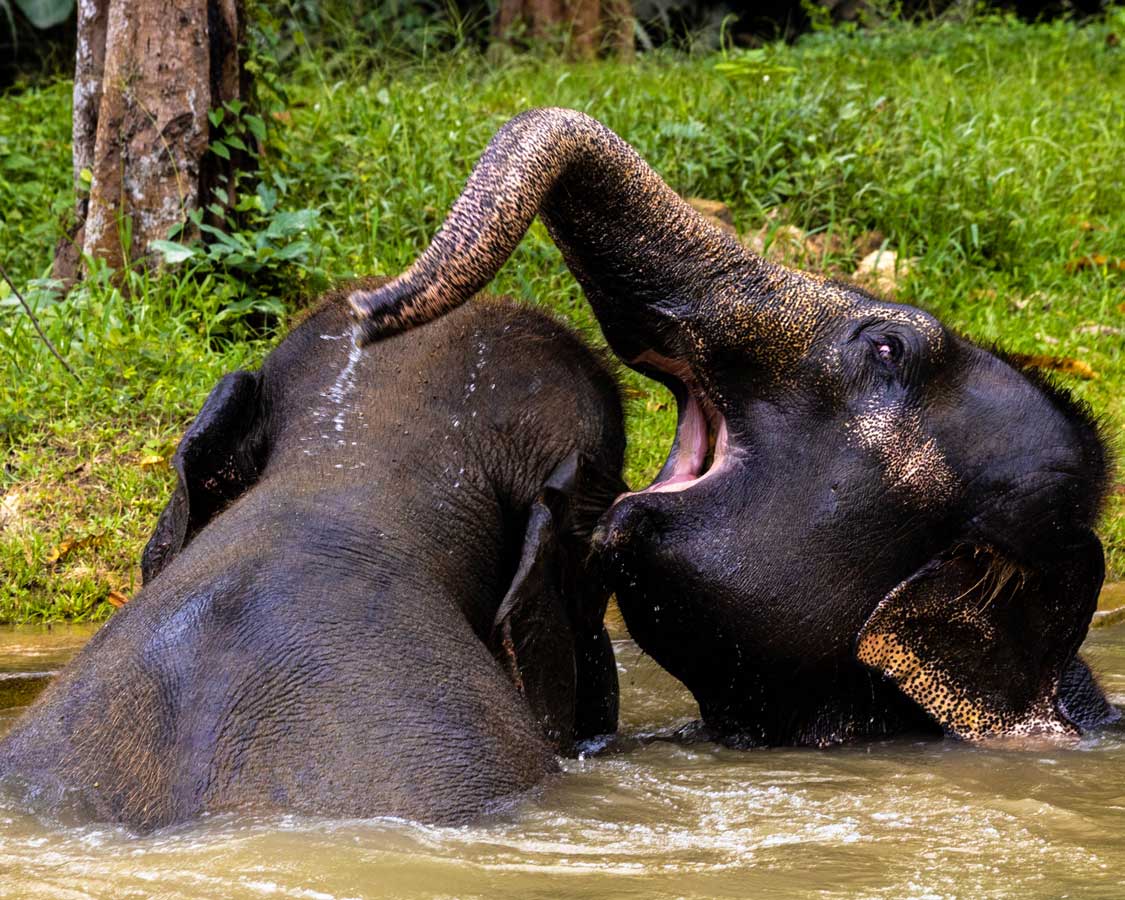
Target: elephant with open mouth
(866, 525)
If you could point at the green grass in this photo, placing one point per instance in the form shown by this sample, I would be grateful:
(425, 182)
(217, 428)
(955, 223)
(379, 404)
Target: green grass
(992, 153)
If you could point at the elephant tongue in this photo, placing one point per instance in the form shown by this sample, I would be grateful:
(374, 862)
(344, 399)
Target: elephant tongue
(700, 430)
(689, 451)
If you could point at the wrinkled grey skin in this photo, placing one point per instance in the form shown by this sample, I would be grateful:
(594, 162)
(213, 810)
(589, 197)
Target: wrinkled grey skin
(367, 595)
(894, 529)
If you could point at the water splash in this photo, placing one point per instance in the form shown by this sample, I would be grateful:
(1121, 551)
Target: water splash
(344, 385)
(337, 408)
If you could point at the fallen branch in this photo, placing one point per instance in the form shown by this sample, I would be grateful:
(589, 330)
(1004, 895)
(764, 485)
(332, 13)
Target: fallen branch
(35, 322)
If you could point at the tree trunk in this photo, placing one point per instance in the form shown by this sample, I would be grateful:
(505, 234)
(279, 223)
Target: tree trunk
(146, 76)
(592, 25)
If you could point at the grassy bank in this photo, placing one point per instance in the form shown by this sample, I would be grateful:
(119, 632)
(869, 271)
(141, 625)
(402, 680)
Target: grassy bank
(991, 155)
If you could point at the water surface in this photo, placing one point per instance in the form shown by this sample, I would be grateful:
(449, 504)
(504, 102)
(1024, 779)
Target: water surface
(897, 819)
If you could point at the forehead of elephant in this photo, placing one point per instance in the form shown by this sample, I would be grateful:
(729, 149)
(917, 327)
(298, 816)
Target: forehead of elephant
(783, 314)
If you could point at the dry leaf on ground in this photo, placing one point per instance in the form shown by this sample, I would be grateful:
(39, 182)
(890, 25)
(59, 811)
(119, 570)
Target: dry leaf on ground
(61, 549)
(1099, 330)
(787, 240)
(116, 599)
(1095, 261)
(10, 515)
(824, 243)
(67, 545)
(869, 242)
(714, 211)
(882, 270)
(1067, 365)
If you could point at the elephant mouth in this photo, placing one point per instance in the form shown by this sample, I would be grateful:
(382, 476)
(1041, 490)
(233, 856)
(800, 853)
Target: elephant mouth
(702, 445)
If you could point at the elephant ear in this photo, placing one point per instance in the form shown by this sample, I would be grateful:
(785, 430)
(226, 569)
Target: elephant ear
(218, 458)
(548, 633)
(983, 646)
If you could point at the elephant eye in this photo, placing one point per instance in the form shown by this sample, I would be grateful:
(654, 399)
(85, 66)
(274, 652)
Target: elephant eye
(888, 349)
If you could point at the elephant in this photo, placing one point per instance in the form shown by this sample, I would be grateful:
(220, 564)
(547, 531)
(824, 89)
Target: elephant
(368, 594)
(867, 525)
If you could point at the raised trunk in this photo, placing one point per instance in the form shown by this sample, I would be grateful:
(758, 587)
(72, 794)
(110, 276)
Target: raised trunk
(629, 239)
(145, 78)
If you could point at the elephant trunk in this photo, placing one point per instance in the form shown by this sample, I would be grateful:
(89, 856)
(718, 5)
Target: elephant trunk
(623, 233)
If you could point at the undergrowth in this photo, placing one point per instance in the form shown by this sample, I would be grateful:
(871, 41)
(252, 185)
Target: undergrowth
(991, 153)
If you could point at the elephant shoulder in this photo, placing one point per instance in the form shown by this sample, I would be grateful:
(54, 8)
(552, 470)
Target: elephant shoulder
(546, 350)
(557, 337)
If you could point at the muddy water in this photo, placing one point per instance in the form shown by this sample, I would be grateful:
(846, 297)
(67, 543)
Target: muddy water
(900, 819)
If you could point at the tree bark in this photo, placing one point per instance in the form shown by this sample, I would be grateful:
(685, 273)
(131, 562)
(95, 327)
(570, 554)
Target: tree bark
(592, 25)
(146, 76)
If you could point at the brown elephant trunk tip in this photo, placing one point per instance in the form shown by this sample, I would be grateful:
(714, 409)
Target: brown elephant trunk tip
(620, 227)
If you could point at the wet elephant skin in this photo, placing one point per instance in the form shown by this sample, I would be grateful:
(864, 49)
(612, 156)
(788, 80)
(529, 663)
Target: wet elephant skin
(867, 524)
(367, 595)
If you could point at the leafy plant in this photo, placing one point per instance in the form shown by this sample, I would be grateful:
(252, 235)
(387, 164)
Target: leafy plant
(244, 231)
(989, 152)
(761, 63)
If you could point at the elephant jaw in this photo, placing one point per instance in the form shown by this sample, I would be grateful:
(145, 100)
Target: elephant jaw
(702, 444)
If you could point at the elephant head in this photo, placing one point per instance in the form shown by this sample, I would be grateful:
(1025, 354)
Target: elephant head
(866, 522)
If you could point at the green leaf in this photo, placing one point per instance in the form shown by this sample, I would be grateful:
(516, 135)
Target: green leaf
(171, 251)
(232, 241)
(215, 117)
(219, 149)
(256, 125)
(46, 13)
(297, 248)
(267, 196)
(285, 224)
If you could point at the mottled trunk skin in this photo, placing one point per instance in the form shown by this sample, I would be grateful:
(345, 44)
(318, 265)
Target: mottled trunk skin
(146, 76)
(623, 232)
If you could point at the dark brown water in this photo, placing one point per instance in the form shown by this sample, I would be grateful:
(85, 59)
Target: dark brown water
(899, 819)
